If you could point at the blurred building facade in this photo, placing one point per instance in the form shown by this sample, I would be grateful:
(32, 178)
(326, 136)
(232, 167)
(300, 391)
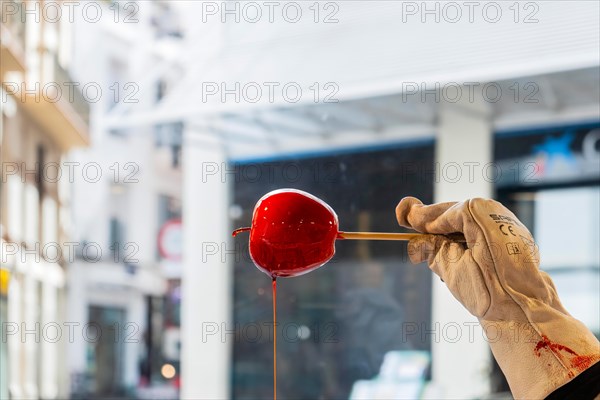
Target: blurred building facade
(133, 214)
(43, 117)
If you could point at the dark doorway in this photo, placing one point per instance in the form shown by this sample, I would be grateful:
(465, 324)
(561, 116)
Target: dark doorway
(105, 351)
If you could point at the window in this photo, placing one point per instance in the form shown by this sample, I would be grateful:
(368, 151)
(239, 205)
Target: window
(171, 136)
(336, 324)
(567, 219)
(40, 165)
(117, 237)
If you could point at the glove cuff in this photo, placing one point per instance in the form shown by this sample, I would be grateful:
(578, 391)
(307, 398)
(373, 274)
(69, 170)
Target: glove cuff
(537, 358)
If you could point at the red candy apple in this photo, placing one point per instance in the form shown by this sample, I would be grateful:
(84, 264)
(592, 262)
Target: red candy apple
(292, 233)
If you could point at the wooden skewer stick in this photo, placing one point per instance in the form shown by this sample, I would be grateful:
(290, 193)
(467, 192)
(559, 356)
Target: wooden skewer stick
(458, 237)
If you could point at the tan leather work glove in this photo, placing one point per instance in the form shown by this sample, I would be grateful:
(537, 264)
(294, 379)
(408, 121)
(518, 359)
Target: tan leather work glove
(496, 276)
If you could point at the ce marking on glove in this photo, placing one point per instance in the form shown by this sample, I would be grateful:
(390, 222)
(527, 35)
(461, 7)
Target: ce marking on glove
(510, 229)
(513, 248)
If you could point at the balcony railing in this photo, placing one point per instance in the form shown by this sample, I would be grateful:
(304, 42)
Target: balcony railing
(12, 36)
(64, 113)
(75, 97)
(12, 15)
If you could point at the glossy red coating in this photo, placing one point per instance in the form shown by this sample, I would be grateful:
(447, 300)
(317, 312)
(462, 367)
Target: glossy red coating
(292, 233)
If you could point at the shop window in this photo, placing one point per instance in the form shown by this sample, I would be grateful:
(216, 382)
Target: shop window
(343, 326)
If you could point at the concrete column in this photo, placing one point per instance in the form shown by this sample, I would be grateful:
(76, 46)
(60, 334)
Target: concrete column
(206, 277)
(463, 147)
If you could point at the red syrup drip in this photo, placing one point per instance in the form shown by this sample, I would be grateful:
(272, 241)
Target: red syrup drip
(581, 363)
(545, 343)
(292, 233)
(274, 283)
(578, 362)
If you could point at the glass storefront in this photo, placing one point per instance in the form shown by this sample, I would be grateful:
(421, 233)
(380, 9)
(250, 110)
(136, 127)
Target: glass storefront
(338, 324)
(557, 196)
(342, 326)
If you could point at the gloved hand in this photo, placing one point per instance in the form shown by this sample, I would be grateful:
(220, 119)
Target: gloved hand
(496, 276)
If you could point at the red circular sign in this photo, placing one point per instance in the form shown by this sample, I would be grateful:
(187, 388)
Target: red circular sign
(170, 240)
